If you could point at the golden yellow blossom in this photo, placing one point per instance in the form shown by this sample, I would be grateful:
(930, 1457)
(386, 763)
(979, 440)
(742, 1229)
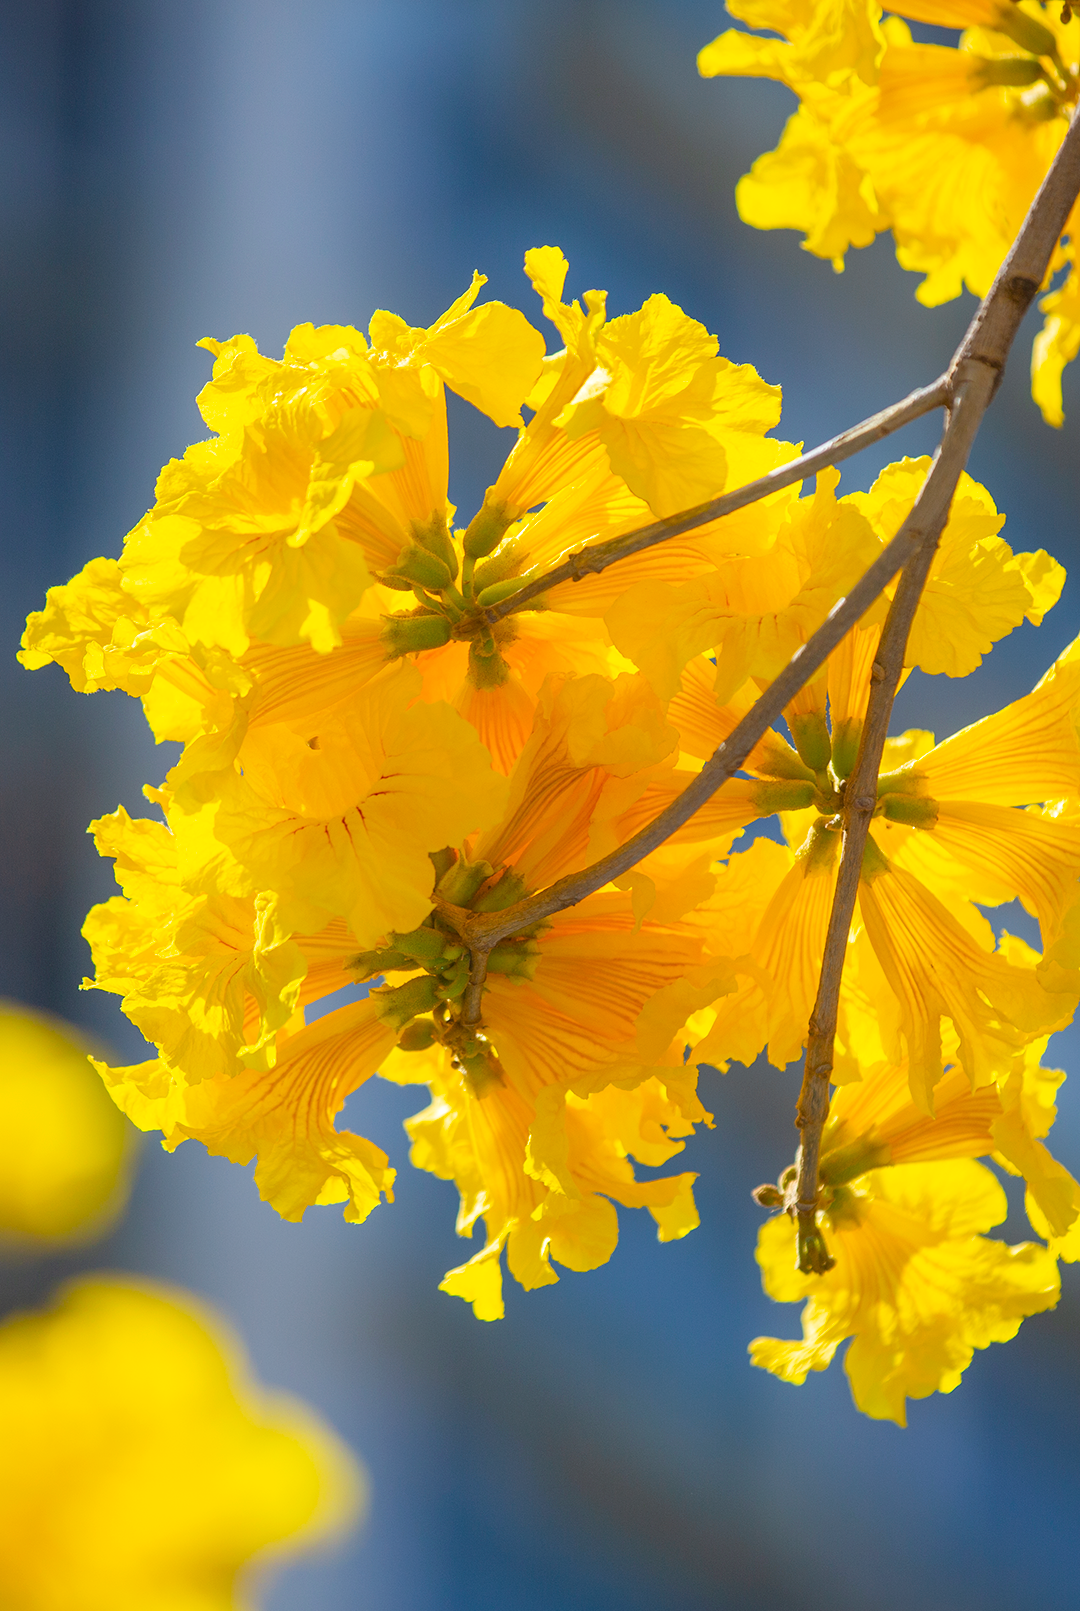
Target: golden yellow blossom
(576, 1064)
(753, 616)
(140, 1467)
(915, 1284)
(64, 1149)
(266, 583)
(947, 837)
(339, 820)
(945, 147)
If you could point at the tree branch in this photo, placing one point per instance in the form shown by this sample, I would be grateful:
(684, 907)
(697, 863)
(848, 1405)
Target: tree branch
(975, 374)
(931, 511)
(591, 561)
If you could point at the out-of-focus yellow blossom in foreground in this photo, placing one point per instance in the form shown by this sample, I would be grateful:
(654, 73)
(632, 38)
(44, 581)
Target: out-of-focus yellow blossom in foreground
(945, 147)
(372, 756)
(140, 1467)
(64, 1149)
(916, 1285)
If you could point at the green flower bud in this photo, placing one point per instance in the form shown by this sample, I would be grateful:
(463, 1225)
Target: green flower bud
(396, 1006)
(417, 1036)
(1028, 34)
(776, 758)
(793, 796)
(499, 591)
(517, 959)
(1006, 70)
(916, 811)
(424, 945)
(847, 1163)
(486, 529)
(460, 883)
(411, 634)
(499, 568)
(812, 740)
(418, 567)
(452, 980)
(436, 539)
(508, 888)
(846, 737)
(369, 963)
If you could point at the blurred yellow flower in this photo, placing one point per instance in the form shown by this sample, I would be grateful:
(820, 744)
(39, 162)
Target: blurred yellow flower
(65, 1151)
(141, 1469)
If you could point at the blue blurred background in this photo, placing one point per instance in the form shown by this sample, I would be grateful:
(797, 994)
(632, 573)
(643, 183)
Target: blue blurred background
(172, 171)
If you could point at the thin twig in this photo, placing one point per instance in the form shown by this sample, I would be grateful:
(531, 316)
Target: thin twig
(591, 561)
(975, 373)
(971, 381)
(931, 511)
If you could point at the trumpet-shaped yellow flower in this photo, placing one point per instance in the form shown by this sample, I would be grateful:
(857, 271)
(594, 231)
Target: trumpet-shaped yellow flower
(209, 978)
(945, 147)
(914, 1283)
(916, 1286)
(947, 836)
(283, 1116)
(64, 1149)
(339, 822)
(753, 616)
(141, 1469)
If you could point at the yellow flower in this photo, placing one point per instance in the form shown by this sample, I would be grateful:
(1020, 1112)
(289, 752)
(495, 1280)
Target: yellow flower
(140, 1467)
(525, 1117)
(283, 1116)
(576, 1066)
(947, 836)
(545, 1176)
(64, 1149)
(209, 978)
(753, 613)
(915, 1284)
(945, 147)
(266, 584)
(338, 821)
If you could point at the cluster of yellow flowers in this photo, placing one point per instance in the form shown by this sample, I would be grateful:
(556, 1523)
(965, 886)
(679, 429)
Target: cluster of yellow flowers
(946, 147)
(376, 742)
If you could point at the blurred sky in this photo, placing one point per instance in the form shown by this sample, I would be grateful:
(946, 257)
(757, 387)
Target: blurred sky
(178, 170)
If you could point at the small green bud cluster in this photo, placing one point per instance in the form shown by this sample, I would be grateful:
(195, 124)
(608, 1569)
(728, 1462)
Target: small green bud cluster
(454, 590)
(423, 1009)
